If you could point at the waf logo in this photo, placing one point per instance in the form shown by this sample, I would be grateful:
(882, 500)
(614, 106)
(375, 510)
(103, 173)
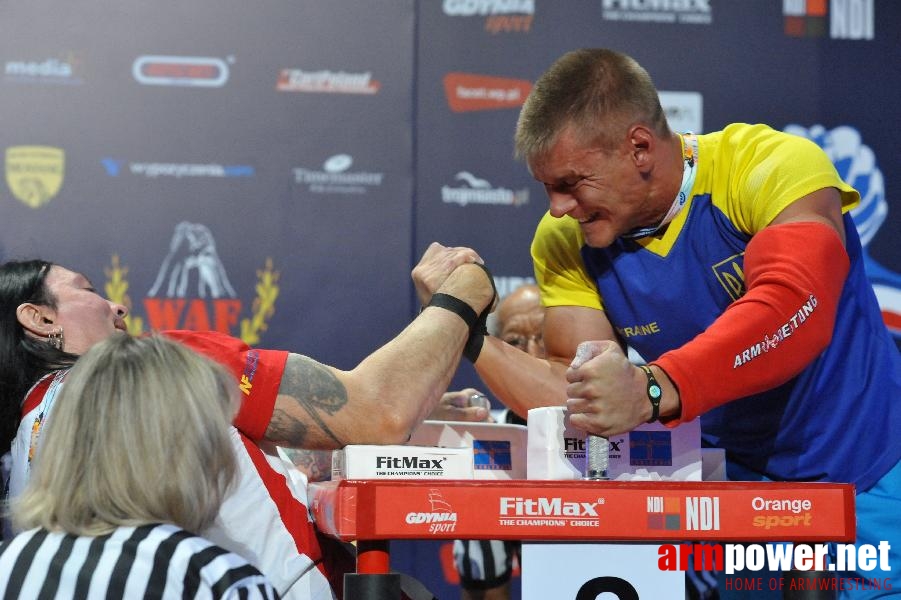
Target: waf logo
(468, 92)
(192, 291)
(34, 174)
(842, 19)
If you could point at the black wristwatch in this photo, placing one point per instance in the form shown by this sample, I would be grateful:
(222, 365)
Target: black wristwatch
(655, 392)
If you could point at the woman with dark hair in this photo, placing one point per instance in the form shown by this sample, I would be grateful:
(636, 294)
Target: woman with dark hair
(23, 359)
(50, 315)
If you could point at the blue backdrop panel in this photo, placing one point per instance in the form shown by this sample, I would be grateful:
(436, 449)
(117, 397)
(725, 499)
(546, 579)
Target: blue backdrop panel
(276, 170)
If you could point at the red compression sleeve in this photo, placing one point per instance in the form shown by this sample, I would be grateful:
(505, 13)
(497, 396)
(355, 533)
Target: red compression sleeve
(258, 374)
(794, 274)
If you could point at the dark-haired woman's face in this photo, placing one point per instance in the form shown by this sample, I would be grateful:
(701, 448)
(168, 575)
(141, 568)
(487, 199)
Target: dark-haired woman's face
(84, 315)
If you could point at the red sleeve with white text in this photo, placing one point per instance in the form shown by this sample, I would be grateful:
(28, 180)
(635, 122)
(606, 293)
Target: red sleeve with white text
(258, 372)
(795, 273)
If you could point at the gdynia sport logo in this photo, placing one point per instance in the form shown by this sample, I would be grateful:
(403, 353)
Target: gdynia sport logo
(855, 567)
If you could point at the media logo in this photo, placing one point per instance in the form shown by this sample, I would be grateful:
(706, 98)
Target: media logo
(115, 167)
(54, 71)
(35, 174)
(192, 290)
(468, 92)
(843, 19)
(180, 71)
(501, 16)
(327, 82)
(335, 177)
(441, 517)
(480, 191)
(683, 12)
(650, 448)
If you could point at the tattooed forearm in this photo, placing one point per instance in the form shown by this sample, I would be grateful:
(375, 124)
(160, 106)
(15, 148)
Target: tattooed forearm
(309, 386)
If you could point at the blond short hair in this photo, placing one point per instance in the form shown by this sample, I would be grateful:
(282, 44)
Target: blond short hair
(597, 92)
(139, 434)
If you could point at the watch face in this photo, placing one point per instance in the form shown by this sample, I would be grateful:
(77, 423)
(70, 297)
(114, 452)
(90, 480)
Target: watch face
(654, 392)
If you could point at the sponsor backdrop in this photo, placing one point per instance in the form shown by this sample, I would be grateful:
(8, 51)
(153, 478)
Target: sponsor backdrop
(275, 170)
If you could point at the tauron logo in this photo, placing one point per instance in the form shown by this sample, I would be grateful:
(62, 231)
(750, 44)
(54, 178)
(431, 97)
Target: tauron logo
(185, 71)
(468, 92)
(327, 82)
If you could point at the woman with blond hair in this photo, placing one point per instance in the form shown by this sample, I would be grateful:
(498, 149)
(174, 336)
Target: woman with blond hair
(136, 456)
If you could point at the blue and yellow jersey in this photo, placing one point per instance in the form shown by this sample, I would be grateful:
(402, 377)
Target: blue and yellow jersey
(659, 292)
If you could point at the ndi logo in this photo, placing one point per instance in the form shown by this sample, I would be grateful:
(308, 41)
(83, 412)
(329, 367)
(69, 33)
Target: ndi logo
(844, 19)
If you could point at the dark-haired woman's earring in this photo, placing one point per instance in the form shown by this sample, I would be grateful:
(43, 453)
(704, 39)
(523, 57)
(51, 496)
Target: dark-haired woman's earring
(56, 338)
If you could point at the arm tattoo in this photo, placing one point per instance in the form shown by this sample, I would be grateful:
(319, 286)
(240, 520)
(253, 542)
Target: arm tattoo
(313, 388)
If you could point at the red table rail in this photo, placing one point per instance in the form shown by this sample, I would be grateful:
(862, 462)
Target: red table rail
(384, 509)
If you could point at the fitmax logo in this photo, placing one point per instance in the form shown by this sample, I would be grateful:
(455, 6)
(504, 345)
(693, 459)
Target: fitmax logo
(409, 462)
(579, 444)
(545, 507)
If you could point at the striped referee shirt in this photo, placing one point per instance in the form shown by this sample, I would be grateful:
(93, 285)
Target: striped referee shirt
(150, 561)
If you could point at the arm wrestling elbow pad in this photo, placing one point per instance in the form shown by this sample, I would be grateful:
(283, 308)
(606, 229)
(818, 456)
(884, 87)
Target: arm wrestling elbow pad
(794, 274)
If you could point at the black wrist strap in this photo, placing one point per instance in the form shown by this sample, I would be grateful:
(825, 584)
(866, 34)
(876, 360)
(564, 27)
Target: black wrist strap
(655, 392)
(477, 324)
(456, 306)
(473, 346)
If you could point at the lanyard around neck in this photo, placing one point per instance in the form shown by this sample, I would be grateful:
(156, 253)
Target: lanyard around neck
(689, 170)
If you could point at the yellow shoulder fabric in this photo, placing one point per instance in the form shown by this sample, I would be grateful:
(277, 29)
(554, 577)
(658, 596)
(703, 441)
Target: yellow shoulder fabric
(559, 270)
(758, 171)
